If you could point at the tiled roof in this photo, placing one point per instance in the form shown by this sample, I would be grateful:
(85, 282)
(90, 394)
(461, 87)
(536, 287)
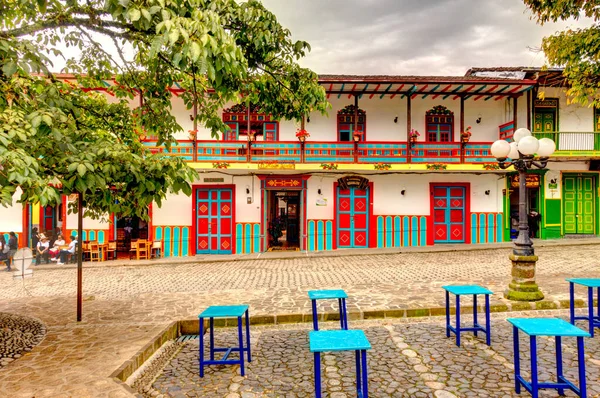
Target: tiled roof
(400, 78)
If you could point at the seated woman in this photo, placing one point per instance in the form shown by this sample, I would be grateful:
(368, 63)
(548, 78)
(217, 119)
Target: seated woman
(42, 250)
(55, 251)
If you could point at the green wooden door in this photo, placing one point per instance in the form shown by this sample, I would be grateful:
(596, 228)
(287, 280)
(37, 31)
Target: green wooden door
(544, 121)
(579, 202)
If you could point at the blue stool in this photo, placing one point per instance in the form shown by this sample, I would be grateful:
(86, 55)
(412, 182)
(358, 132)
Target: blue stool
(460, 290)
(224, 311)
(594, 321)
(341, 295)
(557, 328)
(341, 340)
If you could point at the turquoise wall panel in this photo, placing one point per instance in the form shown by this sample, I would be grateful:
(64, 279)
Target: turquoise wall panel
(423, 241)
(414, 223)
(101, 237)
(406, 232)
(388, 231)
(247, 238)
(321, 236)
(380, 232)
(185, 238)
(490, 228)
(329, 234)
(499, 224)
(176, 241)
(168, 242)
(397, 231)
(482, 228)
(256, 239)
(311, 235)
(239, 238)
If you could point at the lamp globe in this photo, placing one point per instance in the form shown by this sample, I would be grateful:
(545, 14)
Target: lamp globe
(528, 145)
(547, 147)
(500, 149)
(520, 134)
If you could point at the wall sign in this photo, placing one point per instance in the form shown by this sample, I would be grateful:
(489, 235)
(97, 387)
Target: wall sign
(214, 179)
(279, 166)
(353, 181)
(531, 181)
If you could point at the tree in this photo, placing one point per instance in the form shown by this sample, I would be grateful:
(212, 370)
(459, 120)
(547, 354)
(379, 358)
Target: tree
(577, 50)
(56, 138)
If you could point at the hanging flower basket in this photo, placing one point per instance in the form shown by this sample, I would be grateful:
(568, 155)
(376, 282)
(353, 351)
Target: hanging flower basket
(465, 136)
(302, 134)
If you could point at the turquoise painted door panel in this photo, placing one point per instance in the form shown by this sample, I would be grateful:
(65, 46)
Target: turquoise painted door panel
(352, 218)
(214, 221)
(449, 214)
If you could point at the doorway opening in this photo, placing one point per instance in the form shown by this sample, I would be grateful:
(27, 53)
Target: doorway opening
(532, 208)
(283, 220)
(128, 229)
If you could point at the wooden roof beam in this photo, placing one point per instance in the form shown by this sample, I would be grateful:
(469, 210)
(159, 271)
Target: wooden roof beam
(386, 90)
(432, 90)
(443, 91)
(397, 91)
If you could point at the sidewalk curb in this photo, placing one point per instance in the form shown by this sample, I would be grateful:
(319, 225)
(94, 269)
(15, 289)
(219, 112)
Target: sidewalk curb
(190, 326)
(317, 254)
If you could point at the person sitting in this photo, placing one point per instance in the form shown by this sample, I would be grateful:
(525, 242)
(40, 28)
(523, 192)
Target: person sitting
(4, 252)
(42, 250)
(70, 250)
(55, 251)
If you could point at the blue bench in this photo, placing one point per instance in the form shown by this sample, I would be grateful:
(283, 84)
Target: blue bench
(340, 295)
(341, 340)
(593, 320)
(224, 311)
(474, 290)
(551, 327)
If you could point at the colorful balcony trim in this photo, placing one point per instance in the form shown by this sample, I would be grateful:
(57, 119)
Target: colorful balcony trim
(328, 152)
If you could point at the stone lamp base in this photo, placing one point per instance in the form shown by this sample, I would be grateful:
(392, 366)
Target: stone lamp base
(523, 286)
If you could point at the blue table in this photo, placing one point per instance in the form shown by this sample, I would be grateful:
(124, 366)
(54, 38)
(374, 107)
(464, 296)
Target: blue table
(341, 340)
(556, 328)
(593, 321)
(340, 295)
(224, 311)
(474, 290)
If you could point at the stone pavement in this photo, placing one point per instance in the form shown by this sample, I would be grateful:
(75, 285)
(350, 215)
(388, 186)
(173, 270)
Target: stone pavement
(409, 358)
(126, 306)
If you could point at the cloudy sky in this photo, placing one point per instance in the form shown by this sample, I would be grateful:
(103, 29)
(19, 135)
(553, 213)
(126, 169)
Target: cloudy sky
(420, 37)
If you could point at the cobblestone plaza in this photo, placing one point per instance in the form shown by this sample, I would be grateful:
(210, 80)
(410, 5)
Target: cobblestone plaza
(126, 306)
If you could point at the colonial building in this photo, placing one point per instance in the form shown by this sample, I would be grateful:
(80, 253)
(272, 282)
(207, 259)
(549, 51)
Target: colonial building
(398, 161)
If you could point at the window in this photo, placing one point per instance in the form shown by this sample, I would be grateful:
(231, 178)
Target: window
(345, 123)
(544, 115)
(261, 124)
(440, 124)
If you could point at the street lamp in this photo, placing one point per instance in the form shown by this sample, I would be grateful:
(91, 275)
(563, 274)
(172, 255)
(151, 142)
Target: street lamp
(521, 155)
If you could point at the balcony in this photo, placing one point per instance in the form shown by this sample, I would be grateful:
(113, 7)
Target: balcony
(570, 143)
(329, 152)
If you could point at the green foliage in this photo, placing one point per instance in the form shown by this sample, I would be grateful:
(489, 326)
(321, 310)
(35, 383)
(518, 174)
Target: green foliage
(577, 50)
(56, 138)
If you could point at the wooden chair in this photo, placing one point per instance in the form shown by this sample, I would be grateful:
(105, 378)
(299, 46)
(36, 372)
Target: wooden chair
(85, 247)
(157, 249)
(111, 253)
(133, 249)
(94, 251)
(142, 249)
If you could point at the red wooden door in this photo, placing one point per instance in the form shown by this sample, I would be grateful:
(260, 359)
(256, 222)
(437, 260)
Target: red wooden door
(352, 218)
(449, 214)
(214, 223)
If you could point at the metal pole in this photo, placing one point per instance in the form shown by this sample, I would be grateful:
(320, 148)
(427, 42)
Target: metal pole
(523, 244)
(79, 256)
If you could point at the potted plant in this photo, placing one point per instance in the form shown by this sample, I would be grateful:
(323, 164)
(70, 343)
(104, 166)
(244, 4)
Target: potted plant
(301, 134)
(465, 136)
(413, 135)
(357, 134)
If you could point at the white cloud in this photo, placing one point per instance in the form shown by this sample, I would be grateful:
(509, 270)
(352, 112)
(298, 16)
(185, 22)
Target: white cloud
(432, 37)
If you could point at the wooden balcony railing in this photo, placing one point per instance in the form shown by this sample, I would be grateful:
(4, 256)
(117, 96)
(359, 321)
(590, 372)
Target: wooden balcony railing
(328, 152)
(573, 141)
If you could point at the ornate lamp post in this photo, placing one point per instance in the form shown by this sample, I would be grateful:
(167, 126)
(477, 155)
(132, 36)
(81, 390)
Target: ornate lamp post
(521, 155)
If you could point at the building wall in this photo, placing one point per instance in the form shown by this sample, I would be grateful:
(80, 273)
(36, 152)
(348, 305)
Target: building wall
(571, 117)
